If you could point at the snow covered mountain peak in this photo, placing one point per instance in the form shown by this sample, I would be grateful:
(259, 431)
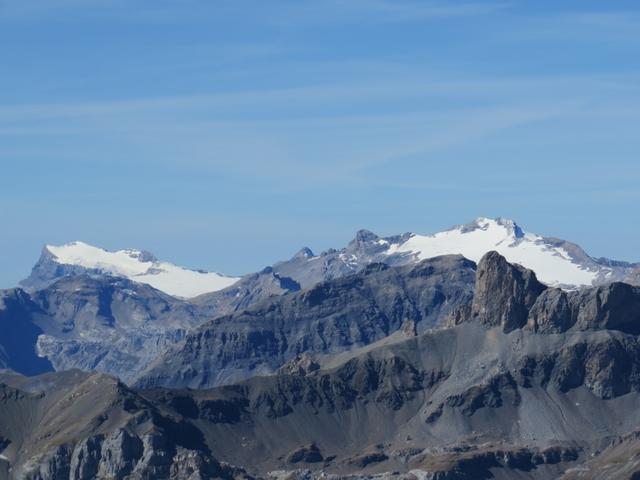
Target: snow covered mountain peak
(137, 265)
(555, 262)
(122, 262)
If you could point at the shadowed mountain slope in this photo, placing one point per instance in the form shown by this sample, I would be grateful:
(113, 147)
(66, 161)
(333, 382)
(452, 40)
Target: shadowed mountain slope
(19, 333)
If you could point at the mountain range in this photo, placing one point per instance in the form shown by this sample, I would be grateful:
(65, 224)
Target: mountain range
(116, 312)
(556, 262)
(479, 352)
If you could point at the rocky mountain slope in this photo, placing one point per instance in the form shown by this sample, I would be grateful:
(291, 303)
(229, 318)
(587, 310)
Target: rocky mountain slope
(523, 381)
(108, 324)
(330, 317)
(74, 425)
(100, 323)
(117, 326)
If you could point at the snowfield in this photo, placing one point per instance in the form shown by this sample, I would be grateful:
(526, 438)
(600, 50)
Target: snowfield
(141, 267)
(553, 265)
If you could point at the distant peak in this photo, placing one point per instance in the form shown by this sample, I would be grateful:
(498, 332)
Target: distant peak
(74, 258)
(365, 236)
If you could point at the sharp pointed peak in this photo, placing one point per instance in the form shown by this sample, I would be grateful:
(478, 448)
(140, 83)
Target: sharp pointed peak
(364, 235)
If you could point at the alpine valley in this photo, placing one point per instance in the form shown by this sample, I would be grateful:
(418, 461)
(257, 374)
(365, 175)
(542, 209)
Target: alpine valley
(479, 352)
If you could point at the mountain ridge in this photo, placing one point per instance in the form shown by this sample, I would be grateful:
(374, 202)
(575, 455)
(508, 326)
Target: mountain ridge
(557, 262)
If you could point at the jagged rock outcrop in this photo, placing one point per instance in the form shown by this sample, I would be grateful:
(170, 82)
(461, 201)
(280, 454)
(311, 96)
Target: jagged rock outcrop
(504, 293)
(510, 296)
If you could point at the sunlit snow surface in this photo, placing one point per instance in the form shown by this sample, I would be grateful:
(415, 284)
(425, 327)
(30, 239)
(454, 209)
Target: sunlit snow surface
(553, 265)
(132, 264)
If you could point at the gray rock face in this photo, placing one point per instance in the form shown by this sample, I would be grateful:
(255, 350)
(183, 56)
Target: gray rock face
(614, 307)
(551, 313)
(121, 451)
(504, 293)
(330, 317)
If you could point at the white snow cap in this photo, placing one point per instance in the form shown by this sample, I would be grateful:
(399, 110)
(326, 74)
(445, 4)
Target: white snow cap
(553, 265)
(141, 267)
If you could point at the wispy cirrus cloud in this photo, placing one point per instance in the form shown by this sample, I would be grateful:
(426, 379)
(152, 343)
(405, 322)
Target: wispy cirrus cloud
(283, 12)
(315, 98)
(347, 144)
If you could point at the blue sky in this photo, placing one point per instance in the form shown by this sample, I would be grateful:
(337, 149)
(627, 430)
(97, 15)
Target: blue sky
(226, 134)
